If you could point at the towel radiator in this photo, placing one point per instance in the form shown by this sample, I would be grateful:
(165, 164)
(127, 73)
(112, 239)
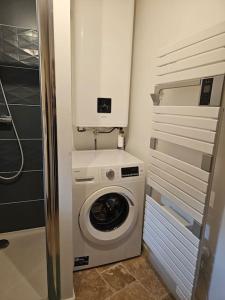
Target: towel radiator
(183, 152)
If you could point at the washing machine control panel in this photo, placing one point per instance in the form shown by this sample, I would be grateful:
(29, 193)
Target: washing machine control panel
(117, 173)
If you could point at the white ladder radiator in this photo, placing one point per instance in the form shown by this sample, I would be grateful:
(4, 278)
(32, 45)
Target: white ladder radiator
(179, 190)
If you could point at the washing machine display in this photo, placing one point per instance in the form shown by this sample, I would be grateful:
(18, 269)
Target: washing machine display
(109, 212)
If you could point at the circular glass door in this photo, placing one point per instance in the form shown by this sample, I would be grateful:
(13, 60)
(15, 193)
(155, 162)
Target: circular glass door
(108, 215)
(109, 212)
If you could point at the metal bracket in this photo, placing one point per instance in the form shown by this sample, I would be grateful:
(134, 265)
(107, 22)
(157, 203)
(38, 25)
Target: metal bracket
(149, 190)
(171, 85)
(206, 162)
(155, 99)
(153, 143)
(195, 228)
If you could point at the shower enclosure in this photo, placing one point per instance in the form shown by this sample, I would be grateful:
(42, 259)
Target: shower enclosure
(29, 233)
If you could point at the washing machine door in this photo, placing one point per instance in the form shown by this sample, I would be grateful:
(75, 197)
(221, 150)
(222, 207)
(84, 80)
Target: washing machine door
(108, 215)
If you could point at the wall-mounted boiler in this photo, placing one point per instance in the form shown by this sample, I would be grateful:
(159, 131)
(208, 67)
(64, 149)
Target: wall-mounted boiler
(102, 36)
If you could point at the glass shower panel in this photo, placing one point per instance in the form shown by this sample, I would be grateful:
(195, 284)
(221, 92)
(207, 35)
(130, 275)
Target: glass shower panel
(23, 266)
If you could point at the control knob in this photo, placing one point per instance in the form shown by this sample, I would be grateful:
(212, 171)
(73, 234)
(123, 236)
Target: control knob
(110, 174)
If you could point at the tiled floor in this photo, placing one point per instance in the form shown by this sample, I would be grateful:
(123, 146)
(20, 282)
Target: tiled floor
(128, 280)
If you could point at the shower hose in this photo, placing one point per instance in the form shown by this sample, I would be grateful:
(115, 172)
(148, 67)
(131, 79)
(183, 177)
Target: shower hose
(15, 176)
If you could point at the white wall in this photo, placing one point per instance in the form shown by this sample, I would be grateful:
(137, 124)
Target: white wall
(216, 222)
(64, 135)
(217, 281)
(158, 23)
(85, 140)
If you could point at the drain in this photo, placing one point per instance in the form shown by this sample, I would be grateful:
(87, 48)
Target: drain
(4, 244)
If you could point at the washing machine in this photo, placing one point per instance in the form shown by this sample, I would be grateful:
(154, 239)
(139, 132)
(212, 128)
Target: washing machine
(108, 204)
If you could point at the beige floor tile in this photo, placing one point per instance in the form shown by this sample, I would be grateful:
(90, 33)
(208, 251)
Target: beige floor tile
(141, 269)
(89, 285)
(105, 267)
(118, 277)
(132, 292)
(128, 280)
(154, 285)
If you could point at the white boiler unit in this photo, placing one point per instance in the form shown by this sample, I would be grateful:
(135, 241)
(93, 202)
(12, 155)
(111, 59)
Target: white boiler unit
(102, 49)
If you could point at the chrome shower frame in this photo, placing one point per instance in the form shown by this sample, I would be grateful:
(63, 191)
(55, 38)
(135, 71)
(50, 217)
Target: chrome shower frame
(49, 123)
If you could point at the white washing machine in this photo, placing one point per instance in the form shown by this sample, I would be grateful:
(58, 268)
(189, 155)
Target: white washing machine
(108, 203)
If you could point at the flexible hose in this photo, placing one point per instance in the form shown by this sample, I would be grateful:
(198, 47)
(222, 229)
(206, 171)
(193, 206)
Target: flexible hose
(8, 179)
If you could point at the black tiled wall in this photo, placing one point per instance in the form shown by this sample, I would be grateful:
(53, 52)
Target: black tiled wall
(21, 202)
(18, 46)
